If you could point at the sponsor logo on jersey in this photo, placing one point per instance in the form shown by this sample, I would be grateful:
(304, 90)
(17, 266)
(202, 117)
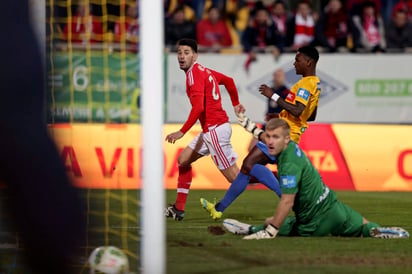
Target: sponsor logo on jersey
(303, 93)
(288, 181)
(291, 97)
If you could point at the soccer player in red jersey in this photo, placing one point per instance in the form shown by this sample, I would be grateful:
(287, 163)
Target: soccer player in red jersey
(202, 87)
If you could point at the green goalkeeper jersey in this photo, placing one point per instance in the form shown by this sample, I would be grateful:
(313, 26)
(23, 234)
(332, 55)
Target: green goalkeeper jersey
(298, 176)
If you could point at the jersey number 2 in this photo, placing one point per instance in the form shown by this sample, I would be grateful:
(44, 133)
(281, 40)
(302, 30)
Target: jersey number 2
(214, 93)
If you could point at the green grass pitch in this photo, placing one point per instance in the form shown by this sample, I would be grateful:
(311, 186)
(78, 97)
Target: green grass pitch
(191, 249)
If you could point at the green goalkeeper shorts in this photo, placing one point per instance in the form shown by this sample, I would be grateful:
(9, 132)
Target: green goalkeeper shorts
(339, 220)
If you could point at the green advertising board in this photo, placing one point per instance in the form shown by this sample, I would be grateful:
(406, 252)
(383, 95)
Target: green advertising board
(383, 87)
(93, 87)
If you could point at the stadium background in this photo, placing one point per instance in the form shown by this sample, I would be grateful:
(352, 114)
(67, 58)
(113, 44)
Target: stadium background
(362, 134)
(361, 141)
(93, 111)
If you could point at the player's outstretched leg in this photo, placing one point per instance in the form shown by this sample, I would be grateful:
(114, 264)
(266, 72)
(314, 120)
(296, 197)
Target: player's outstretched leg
(389, 232)
(210, 207)
(266, 177)
(236, 227)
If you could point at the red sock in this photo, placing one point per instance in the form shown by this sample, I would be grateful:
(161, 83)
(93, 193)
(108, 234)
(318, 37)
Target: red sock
(183, 185)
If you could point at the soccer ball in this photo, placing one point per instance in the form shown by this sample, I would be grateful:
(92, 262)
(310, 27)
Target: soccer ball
(108, 260)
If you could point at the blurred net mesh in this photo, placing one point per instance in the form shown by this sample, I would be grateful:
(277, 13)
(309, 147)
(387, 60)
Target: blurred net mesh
(92, 69)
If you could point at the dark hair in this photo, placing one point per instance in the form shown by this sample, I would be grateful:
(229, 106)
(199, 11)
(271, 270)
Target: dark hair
(305, 2)
(369, 4)
(179, 8)
(188, 42)
(281, 2)
(213, 7)
(310, 52)
(257, 7)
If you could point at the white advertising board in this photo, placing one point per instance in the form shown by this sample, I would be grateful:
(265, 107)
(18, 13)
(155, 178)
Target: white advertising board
(356, 88)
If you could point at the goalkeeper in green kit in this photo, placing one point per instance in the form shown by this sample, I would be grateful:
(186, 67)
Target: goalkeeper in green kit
(317, 210)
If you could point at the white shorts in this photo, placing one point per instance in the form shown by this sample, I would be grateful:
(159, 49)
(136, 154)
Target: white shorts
(216, 142)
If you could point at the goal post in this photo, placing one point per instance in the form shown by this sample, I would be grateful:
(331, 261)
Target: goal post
(153, 223)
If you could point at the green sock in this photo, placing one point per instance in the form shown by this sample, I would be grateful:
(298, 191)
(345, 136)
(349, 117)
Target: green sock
(367, 228)
(256, 228)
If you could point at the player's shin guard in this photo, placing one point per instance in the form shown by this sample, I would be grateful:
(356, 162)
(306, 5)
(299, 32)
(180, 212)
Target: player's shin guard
(184, 181)
(235, 189)
(266, 177)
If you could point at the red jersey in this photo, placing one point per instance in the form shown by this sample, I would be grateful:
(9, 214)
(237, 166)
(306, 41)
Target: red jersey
(84, 29)
(209, 34)
(202, 88)
(127, 30)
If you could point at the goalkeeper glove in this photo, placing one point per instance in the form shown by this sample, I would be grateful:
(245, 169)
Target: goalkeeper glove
(249, 125)
(270, 232)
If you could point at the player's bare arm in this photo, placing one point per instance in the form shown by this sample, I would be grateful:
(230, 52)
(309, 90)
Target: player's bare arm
(173, 137)
(239, 109)
(282, 211)
(265, 90)
(274, 223)
(294, 109)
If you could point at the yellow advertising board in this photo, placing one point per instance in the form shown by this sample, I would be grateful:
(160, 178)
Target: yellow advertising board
(378, 156)
(110, 156)
(348, 157)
